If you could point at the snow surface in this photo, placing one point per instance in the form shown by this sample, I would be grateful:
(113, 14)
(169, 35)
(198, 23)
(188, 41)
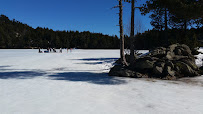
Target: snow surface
(77, 82)
(200, 58)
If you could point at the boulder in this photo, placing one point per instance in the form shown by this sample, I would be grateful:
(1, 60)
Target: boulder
(118, 70)
(178, 57)
(191, 63)
(168, 71)
(186, 70)
(127, 57)
(178, 51)
(158, 52)
(186, 50)
(127, 73)
(170, 55)
(144, 63)
(114, 71)
(158, 68)
(172, 47)
(170, 63)
(139, 75)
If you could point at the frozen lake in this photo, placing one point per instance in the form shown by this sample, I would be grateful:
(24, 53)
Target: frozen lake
(77, 82)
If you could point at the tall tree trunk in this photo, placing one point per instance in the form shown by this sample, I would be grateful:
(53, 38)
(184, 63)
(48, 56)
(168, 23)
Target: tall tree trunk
(185, 25)
(132, 33)
(166, 26)
(122, 54)
(184, 39)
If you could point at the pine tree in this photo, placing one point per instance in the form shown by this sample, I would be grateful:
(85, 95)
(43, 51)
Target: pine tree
(122, 54)
(160, 14)
(132, 56)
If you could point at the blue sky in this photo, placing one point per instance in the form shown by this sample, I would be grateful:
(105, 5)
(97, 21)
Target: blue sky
(82, 15)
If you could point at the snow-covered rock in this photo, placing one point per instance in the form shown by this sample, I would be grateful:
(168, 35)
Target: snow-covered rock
(173, 62)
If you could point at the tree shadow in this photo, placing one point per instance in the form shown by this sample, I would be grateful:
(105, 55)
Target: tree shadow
(9, 73)
(94, 78)
(91, 61)
(21, 74)
(99, 59)
(5, 66)
(76, 76)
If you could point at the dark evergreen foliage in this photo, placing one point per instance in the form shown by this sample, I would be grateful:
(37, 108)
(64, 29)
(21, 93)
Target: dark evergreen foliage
(155, 38)
(174, 21)
(14, 34)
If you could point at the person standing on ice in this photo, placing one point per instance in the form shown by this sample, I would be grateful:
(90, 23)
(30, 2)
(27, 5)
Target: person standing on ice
(40, 50)
(54, 50)
(48, 50)
(60, 50)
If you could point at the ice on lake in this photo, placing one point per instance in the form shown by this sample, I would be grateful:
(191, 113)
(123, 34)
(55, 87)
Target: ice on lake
(77, 82)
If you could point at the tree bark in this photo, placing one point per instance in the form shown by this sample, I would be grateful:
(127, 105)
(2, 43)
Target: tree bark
(132, 56)
(122, 54)
(185, 25)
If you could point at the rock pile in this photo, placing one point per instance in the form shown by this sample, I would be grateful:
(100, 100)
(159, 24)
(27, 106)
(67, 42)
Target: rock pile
(170, 63)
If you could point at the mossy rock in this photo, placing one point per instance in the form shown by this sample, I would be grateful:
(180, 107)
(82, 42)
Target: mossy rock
(120, 71)
(186, 70)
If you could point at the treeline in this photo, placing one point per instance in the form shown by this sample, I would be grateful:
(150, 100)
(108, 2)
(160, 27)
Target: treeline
(154, 38)
(173, 21)
(14, 34)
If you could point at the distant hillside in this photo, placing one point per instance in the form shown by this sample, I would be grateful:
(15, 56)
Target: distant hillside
(14, 34)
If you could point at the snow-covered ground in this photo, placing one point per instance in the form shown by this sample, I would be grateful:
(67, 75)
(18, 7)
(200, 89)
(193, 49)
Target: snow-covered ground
(77, 83)
(199, 59)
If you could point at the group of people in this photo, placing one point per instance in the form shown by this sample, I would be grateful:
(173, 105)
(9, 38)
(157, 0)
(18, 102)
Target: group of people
(48, 50)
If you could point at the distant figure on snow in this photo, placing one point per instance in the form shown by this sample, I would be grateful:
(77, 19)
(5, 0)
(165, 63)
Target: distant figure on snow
(40, 50)
(47, 50)
(60, 50)
(54, 50)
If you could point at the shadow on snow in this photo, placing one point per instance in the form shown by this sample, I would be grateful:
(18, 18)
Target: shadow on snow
(11, 74)
(91, 61)
(89, 77)
(5, 66)
(95, 78)
(20, 74)
(99, 59)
